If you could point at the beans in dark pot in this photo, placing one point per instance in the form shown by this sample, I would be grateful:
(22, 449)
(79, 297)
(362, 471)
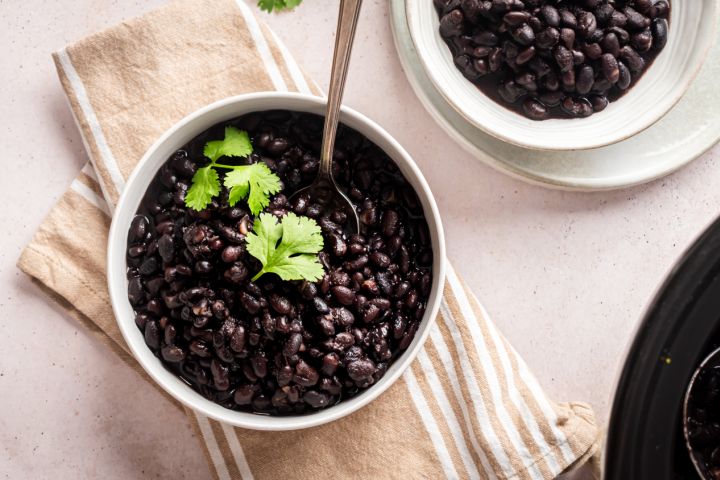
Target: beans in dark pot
(518, 52)
(288, 347)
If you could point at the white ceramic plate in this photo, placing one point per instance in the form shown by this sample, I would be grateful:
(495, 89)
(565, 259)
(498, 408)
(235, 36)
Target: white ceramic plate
(687, 131)
(690, 36)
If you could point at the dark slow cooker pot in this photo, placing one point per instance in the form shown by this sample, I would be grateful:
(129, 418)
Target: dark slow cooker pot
(681, 327)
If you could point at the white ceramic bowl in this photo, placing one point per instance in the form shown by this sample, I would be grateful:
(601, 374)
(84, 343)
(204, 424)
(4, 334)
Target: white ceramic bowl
(691, 34)
(180, 134)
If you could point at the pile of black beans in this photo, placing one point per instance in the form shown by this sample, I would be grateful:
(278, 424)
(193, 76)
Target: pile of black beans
(272, 346)
(704, 419)
(554, 58)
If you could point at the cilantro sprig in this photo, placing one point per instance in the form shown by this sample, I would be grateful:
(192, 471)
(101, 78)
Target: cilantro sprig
(287, 248)
(256, 182)
(278, 5)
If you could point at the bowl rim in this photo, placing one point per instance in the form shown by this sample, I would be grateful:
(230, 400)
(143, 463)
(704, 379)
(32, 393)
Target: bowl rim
(117, 281)
(669, 101)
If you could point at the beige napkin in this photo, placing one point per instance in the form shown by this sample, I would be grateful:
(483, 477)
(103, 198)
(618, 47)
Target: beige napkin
(468, 407)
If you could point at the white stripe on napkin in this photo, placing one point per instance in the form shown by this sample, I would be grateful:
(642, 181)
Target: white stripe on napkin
(103, 148)
(431, 425)
(263, 49)
(212, 446)
(88, 194)
(448, 363)
(481, 412)
(444, 403)
(237, 451)
(491, 375)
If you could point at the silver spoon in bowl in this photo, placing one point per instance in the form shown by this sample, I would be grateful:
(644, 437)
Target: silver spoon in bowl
(324, 189)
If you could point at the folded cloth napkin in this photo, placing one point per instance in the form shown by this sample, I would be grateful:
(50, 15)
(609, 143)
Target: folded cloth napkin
(468, 407)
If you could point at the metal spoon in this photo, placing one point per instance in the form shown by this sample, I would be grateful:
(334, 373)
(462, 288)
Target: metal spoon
(711, 361)
(324, 189)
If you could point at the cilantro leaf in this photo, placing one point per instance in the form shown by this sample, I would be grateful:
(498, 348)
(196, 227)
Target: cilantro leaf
(294, 257)
(278, 5)
(258, 180)
(205, 185)
(235, 144)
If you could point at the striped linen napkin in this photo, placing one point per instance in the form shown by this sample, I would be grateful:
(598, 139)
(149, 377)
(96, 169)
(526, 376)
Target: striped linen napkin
(468, 407)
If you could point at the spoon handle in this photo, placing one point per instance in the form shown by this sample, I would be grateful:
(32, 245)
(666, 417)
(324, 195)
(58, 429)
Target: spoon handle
(347, 23)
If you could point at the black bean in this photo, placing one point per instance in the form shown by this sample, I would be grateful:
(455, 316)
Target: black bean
(564, 58)
(599, 102)
(610, 44)
(495, 59)
(610, 68)
(337, 245)
(568, 80)
(249, 302)
(452, 23)
(280, 304)
(625, 78)
(661, 8)
(236, 273)
(343, 316)
(577, 107)
(535, 109)
(603, 13)
(587, 24)
(221, 375)
(642, 41)
(360, 370)
(237, 339)
(659, 29)
(524, 35)
(152, 334)
(525, 56)
(305, 375)
(330, 363)
(635, 19)
(277, 146)
(136, 294)
(138, 229)
(567, 35)
(316, 399)
(568, 19)
(617, 19)
(516, 18)
(622, 35)
(149, 266)
(510, 91)
(245, 393)
(486, 38)
(632, 59)
(356, 264)
(173, 354)
(578, 57)
(343, 295)
(550, 15)
(585, 79)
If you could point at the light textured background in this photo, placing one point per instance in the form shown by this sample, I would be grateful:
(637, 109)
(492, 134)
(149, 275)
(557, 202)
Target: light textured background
(564, 275)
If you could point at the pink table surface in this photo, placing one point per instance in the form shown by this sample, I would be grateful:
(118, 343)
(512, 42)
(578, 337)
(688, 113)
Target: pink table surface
(565, 275)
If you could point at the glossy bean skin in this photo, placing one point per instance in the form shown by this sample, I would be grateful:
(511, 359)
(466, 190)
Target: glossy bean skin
(283, 347)
(525, 51)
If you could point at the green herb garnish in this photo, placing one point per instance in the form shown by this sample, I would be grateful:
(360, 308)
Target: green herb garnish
(255, 182)
(258, 180)
(288, 248)
(278, 5)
